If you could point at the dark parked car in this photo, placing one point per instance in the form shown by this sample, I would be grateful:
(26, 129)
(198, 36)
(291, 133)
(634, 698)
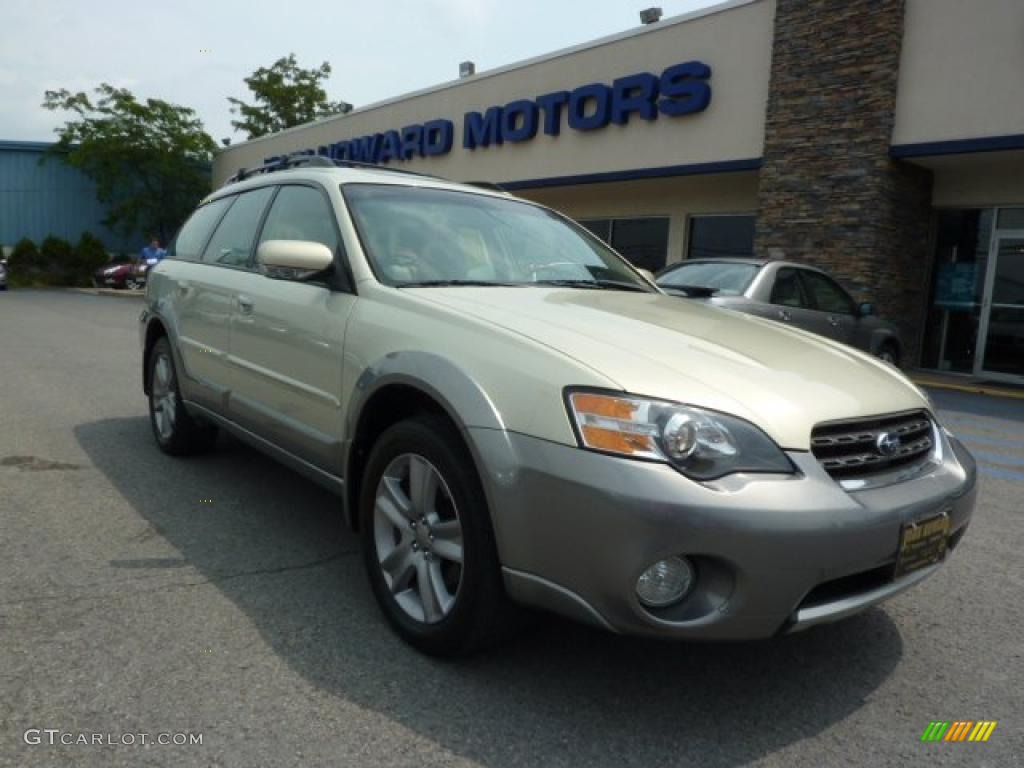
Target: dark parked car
(3, 274)
(787, 292)
(121, 273)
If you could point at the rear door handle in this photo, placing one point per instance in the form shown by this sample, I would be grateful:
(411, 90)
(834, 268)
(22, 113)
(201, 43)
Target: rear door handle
(245, 305)
(784, 315)
(833, 321)
(183, 287)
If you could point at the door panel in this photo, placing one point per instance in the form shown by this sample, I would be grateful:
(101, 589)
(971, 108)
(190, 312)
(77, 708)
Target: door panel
(286, 357)
(286, 341)
(202, 304)
(788, 300)
(204, 299)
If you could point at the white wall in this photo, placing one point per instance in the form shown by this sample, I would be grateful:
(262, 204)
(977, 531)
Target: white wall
(961, 70)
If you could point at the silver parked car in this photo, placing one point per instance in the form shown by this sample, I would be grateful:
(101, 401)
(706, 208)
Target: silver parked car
(787, 292)
(511, 413)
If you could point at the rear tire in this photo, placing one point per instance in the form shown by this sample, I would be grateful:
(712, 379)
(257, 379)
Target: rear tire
(427, 541)
(177, 433)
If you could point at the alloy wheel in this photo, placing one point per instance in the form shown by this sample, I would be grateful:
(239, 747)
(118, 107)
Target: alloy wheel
(418, 538)
(164, 397)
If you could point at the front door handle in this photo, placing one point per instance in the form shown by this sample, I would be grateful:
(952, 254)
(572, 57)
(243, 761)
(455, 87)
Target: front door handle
(245, 305)
(833, 321)
(784, 315)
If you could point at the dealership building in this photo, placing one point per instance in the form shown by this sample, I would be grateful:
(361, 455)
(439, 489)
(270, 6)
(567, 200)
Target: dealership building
(880, 139)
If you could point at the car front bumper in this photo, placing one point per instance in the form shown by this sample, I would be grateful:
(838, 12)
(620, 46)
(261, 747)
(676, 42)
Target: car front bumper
(575, 529)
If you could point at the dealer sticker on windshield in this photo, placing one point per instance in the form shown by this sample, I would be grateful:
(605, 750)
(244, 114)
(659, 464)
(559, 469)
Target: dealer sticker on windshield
(923, 543)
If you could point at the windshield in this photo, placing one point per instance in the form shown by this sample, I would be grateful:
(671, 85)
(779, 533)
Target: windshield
(416, 236)
(721, 277)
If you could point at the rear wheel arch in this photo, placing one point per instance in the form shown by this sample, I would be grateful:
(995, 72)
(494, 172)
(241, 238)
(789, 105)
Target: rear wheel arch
(155, 331)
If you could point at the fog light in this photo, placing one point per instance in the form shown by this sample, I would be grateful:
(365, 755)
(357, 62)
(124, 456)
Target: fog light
(665, 582)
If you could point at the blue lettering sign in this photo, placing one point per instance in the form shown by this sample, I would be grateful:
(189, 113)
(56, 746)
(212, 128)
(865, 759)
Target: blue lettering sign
(438, 136)
(601, 95)
(634, 94)
(551, 104)
(481, 130)
(685, 89)
(519, 121)
(682, 89)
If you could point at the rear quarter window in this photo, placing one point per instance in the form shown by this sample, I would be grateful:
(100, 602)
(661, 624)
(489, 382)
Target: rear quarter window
(194, 233)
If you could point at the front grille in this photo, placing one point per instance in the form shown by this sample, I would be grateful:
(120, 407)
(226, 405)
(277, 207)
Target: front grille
(856, 449)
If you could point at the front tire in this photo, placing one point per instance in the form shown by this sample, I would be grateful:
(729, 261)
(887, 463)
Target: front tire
(177, 433)
(428, 545)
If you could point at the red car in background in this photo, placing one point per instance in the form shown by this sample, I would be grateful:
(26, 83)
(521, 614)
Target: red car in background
(121, 273)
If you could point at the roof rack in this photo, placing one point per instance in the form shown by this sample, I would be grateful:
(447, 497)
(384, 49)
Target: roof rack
(303, 159)
(491, 185)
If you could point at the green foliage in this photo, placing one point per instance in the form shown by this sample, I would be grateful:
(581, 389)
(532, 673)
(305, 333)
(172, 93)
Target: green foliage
(55, 262)
(23, 265)
(89, 255)
(55, 259)
(285, 95)
(150, 160)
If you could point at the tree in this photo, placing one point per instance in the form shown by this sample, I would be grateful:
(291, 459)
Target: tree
(150, 160)
(285, 95)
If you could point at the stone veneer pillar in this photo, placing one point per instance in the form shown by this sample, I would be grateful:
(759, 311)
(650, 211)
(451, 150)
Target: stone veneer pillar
(829, 193)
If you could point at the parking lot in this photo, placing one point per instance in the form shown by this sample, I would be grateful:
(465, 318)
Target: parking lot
(222, 596)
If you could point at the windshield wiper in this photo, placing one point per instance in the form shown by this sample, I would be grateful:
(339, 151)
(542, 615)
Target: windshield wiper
(598, 285)
(445, 283)
(691, 291)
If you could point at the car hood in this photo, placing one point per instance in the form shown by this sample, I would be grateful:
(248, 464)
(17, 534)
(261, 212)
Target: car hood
(782, 379)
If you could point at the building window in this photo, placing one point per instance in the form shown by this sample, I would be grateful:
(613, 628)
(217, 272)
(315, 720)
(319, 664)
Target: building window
(644, 241)
(716, 236)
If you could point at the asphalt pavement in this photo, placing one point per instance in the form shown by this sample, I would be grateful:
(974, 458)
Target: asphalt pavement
(221, 596)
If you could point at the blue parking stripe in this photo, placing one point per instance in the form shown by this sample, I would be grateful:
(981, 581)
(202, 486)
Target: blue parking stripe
(988, 457)
(1003, 474)
(972, 439)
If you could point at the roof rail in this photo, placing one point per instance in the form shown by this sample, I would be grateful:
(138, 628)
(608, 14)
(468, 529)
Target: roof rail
(298, 159)
(491, 185)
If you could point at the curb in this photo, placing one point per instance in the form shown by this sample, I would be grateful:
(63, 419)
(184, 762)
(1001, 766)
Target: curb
(975, 389)
(125, 293)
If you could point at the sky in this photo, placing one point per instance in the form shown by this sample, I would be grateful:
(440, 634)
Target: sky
(196, 54)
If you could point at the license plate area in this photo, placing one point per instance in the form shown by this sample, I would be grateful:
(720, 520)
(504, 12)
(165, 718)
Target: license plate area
(923, 542)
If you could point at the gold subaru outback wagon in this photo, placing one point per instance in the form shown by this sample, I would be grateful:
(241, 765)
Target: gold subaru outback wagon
(511, 414)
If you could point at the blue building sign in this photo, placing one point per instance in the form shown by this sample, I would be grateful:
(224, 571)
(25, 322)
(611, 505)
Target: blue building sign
(682, 89)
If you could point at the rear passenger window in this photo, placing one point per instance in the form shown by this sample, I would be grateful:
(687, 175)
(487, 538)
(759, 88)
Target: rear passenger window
(787, 291)
(301, 213)
(188, 245)
(232, 242)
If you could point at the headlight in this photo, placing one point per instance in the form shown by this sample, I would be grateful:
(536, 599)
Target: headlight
(701, 444)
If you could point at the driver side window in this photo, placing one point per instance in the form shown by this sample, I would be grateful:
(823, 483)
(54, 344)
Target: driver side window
(301, 213)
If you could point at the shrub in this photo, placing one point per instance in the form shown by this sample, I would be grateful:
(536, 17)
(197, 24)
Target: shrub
(89, 255)
(56, 255)
(23, 267)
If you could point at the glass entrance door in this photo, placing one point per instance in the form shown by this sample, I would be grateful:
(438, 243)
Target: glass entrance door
(1003, 316)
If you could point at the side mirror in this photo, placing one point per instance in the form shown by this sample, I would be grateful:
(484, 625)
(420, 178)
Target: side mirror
(293, 259)
(646, 273)
(866, 308)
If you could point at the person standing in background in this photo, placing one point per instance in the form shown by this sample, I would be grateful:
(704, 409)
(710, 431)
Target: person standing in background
(153, 253)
